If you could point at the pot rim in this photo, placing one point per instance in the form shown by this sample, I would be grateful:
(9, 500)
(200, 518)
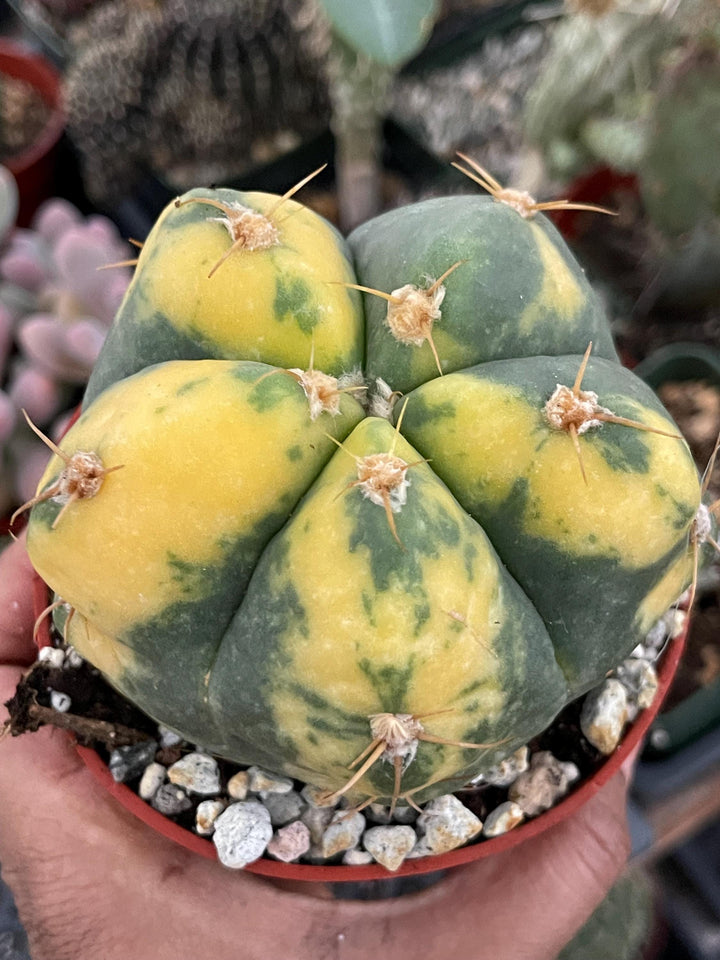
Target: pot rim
(334, 873)
(17, 60)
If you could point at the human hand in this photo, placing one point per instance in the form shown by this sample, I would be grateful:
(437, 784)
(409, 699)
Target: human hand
(91, 881)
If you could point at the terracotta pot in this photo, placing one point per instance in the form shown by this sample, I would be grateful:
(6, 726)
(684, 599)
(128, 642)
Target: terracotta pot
(34, 168)
(332, 874)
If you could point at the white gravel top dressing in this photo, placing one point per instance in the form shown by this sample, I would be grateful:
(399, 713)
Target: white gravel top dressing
(249, 812)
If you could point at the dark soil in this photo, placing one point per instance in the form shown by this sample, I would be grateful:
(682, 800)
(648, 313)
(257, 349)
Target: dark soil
(23, 116)
(100, 715)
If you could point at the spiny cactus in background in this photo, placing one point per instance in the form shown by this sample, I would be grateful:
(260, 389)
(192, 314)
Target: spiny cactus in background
(638, 89)
(62, 8)
(55, 309)
(198, 93)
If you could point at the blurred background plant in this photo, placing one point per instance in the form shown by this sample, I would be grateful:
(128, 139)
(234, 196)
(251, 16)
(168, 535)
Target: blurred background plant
(369, 43)
(203, 93)
(635, 85)
(55, 309)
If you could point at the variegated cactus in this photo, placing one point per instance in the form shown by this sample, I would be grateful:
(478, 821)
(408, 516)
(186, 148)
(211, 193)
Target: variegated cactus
(379, 582)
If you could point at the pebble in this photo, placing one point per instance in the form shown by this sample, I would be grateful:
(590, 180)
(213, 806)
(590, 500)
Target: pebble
(421, 849)
(675, 620)
(317, 820)
(60, 701)
(290, 842)
(73, 660)
(53, 656)
(126, 763)
(152, 779)
(168, 737)
(171, 800)
(671, 624)
(197, 773)
(242, 832)
(263, 782)
(343, 833)
(604, 715)
(380, 814)
(509, 769)
(357, 858)
(317, 797)
(284, 807)
(205, 816)
(544, 783)
(446, 823)
(405, 815)
(389, 846)
(657, 635)
(238, 785)
(503, 818)
(639, 678)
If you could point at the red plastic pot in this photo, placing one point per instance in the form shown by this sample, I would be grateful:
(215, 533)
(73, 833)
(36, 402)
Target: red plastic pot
(34, 168)
(332, 874)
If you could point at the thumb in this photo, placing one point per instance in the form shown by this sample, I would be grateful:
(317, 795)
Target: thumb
(16, 604)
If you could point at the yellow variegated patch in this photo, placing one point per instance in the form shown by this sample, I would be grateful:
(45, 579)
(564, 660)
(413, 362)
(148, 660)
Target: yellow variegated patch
(559, 294)
(355, 633)
(486, 440)
(665, 592)
(631, 515)
(111, 657)
(494, 438)
(273, 305)
(206, 456)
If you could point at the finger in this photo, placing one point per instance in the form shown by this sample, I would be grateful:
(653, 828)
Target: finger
(559, 878)
(61, 832)
(16, 604)
(525, 904)
(630, 762)
(91, 880)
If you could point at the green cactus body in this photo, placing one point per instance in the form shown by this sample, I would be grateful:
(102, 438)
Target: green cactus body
(577, 547)
(282, 577)
(276, 301)
(518, 291)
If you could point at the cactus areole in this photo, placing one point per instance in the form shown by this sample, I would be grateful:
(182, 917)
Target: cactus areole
(374, 539)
